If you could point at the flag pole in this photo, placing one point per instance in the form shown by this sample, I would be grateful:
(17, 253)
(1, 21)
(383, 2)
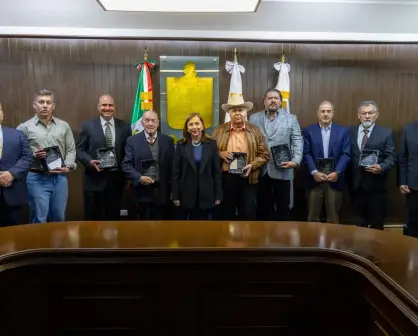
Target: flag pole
(235, 55)
(146, 53)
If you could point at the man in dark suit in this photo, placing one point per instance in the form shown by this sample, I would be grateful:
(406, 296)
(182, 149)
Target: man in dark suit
(368, 184)
(103, 188)
(15, 160)
(152, 196)
(330, 142)
(408, 175)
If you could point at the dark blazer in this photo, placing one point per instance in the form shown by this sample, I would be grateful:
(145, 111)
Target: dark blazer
(137, 149)
(92, 138)
(339, 149)
(17, 158)
(408, 156)
(197, 187)
(381, 139)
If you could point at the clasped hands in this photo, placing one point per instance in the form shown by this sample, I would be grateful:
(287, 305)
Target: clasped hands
(228, 157)
(320, 177)
(6, 179)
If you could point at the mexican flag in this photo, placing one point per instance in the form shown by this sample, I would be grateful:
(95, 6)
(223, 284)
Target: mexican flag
(143, 97)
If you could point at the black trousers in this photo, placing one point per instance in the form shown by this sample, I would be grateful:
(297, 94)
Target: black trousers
(151, 211)
(106, 204)
(412, 222)
(369, 207)
(9, 215)
(239, 196)
(273, 199)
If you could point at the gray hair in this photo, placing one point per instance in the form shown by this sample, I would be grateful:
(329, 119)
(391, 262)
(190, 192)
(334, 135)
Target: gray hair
(43, 92)
(368, 103)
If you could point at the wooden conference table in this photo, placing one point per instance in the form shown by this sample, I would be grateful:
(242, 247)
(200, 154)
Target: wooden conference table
(206, 278)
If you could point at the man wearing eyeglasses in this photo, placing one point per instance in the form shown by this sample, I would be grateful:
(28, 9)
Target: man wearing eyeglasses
(372, 157)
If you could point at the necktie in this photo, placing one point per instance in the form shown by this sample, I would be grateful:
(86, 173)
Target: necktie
(151, 139)
(108, 136)
(365, 138)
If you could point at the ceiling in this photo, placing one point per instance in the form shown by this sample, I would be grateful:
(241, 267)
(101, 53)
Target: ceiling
(275, 20)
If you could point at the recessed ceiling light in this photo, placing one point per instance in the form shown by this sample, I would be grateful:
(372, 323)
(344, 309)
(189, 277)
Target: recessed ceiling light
(181, 6)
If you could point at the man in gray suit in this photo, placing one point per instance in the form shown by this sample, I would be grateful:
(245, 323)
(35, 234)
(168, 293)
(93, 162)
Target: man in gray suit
(279, 128)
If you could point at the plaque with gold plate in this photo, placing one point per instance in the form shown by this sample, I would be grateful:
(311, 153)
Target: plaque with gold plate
(239, 161)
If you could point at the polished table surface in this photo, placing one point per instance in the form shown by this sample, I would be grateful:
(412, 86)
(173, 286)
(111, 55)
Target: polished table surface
(394, 254)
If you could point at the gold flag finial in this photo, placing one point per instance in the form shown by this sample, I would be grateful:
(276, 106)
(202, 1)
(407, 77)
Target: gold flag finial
(283, 58)
(145, 53)
(235, 55)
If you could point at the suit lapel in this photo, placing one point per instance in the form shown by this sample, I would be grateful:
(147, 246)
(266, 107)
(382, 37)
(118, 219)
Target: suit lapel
(332, 138)
(205, 155)
(318, 135)
(117, 132)
(354, 140)
(99, 130)
(190, 155)
(372, 135)
(147, 150)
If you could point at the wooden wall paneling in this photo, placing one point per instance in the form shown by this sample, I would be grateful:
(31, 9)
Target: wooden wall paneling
(80, 70)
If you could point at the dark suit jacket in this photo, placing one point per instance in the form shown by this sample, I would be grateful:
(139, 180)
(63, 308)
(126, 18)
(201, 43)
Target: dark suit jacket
(17, 158)
(137, 149)
(339, 149)
(197, 187)
(408, 156)
(92, 138)
(381, 139)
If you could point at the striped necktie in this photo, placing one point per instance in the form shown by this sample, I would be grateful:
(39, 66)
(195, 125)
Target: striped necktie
(108, 136)
(365, 138)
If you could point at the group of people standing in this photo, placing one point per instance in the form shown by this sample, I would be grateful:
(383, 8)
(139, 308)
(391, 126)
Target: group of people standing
(232, 174)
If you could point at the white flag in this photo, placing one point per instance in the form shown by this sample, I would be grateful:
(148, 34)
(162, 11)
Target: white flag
(235, 87)
(283, 83)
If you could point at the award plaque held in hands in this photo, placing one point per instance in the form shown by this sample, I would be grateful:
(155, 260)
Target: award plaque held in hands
(281, 154)
(150, 168)
(325, 165)
(53, 159)
(369, 158)
(107, 158)
(239, 161)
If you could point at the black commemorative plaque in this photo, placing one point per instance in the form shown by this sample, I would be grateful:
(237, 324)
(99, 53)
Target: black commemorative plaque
(325, 165)
(369, 158)
(53, 159)
(150, 168)
(238, 162)
(107, 158)
(281, 154)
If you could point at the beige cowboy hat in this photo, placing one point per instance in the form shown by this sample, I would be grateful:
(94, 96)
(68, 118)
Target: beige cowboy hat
(236, 100)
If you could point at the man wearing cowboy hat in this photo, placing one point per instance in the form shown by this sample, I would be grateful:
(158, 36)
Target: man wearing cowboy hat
(280, 128)
(239, 136)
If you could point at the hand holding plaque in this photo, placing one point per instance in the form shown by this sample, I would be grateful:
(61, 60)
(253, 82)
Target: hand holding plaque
(281, 154)
(325, 165)
(107, 158)
(239, 161)
(369, 158)
(150, 168)
(53, 159)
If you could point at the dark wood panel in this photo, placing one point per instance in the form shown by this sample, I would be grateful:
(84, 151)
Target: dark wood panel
(79, 70)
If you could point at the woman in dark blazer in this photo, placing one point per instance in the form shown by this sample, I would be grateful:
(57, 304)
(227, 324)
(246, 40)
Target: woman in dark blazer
(196, 183)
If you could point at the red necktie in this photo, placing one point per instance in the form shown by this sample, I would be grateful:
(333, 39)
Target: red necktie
(365, 138)
(151, 139)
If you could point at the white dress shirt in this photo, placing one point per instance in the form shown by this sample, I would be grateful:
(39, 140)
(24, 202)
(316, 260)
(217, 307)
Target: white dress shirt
(360, 134)
(147, 136)
(112, 128)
